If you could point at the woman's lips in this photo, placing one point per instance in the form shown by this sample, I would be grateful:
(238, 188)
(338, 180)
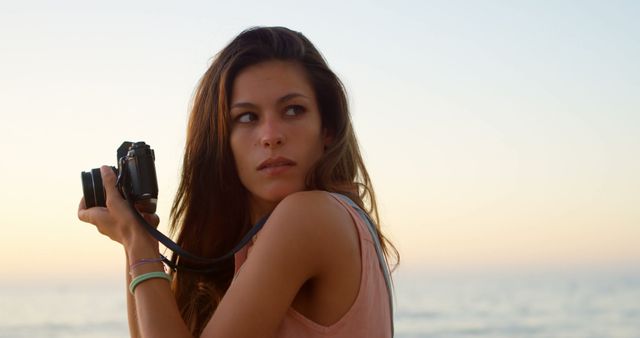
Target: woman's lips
(276, 170)
(275, 165)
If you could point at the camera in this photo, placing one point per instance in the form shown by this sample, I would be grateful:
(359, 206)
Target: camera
(137, 181)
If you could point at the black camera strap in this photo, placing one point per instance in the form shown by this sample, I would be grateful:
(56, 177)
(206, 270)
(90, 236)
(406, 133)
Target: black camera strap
(211, 263)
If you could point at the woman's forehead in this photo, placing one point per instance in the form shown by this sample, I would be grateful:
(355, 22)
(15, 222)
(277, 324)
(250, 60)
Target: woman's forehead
(271, 81)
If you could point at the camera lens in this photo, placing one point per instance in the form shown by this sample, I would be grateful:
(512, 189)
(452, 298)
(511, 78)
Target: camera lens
(93, 189)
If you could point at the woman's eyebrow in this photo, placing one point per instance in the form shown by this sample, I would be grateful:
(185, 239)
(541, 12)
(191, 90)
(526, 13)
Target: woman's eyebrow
(291, 96)
(243, 105)
(279, 101)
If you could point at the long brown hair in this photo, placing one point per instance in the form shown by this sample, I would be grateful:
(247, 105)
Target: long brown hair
(210, 211)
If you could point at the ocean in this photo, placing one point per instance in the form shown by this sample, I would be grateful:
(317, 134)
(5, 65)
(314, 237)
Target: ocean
(558, 304)
(564, 305)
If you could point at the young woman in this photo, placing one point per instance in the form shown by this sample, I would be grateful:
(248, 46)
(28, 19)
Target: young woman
(269, 135)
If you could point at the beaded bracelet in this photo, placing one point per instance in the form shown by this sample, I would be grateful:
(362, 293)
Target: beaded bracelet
(146, 276)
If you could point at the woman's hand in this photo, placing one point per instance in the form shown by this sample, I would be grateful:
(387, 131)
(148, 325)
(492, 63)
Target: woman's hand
(116, 220)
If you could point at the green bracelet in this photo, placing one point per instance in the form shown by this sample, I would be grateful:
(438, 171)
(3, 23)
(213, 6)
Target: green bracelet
(146, 276)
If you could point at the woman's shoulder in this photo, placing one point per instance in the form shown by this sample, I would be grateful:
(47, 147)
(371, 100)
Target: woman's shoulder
(309, 199)
(309, 236)
(313, 209)
(316, 220)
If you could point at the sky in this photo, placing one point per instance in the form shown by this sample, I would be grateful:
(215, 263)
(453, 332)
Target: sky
(498, 134)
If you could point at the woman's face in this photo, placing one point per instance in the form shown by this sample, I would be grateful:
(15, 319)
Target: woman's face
(276, 134)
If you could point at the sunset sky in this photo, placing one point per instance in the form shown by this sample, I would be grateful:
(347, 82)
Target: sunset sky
(498, 134)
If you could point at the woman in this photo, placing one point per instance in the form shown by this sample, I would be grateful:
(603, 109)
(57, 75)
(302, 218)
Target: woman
(269, 134)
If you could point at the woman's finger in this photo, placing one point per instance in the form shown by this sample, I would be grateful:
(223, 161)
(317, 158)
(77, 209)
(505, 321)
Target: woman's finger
(91, 215)
(109, 184)
(82, 205)
(82, 208)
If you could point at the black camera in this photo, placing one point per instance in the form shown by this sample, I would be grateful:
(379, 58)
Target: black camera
(137, 181)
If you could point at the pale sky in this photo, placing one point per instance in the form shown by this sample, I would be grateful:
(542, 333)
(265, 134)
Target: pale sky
(498, 134)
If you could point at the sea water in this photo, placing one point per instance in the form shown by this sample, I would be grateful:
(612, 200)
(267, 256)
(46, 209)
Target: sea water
(427, 305)
(530, 305)
(63, 309)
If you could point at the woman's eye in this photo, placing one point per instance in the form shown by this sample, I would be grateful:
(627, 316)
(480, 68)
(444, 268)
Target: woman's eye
(246, 118)
(294, 110)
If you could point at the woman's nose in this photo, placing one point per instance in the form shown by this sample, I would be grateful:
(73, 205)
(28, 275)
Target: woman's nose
(272, 134)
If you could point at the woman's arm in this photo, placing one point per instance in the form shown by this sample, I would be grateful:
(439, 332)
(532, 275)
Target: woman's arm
(134, 331)
(156, 311)
(304, 237)
(153, 306)
(131, 305)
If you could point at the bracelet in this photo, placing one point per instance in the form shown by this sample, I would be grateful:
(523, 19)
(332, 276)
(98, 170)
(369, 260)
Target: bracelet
(145, 261)
(146, 276)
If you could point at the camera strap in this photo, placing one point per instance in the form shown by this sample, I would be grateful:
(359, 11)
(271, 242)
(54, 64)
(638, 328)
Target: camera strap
(173, 246)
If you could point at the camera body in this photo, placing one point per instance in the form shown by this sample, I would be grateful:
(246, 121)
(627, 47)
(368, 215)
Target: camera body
(136, 182)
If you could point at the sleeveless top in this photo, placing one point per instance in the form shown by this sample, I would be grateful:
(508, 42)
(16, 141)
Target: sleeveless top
(370, 315)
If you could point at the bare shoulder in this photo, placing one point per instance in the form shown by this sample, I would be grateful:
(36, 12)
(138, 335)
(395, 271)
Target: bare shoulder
(316, 223)
(316, 212)
(313, 198)
(309, 236)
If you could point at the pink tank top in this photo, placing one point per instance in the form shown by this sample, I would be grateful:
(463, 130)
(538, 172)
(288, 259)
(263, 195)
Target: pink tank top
(369, 315)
